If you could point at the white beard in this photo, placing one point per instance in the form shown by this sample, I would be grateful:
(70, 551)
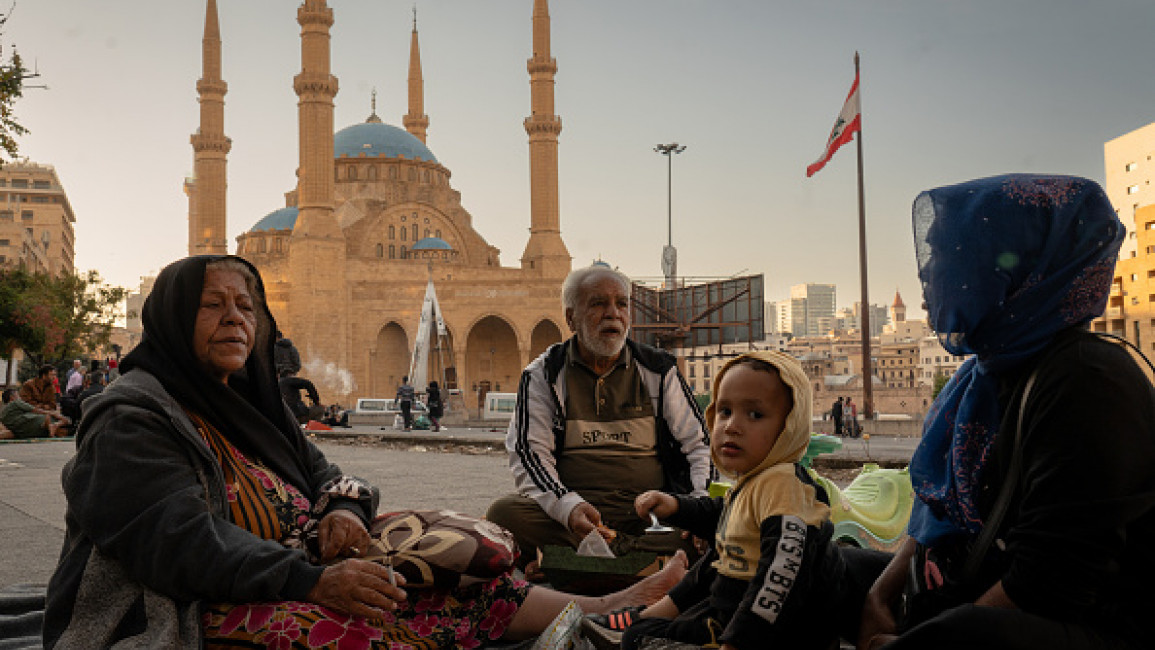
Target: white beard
(600, 347)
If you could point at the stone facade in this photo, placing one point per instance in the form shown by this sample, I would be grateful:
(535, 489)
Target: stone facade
(374, 217)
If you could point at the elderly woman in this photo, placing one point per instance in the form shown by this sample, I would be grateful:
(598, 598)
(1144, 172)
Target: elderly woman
(1013, 268)
(199, 513)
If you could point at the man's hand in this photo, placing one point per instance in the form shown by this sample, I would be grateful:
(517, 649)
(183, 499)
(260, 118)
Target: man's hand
(342, 533)
(584, 518)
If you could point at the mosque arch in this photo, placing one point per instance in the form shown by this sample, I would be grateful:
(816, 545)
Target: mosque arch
(389, 359)
(492, 357)
(545, 334)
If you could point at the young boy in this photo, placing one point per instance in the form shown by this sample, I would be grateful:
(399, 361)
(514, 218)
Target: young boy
(773, 578)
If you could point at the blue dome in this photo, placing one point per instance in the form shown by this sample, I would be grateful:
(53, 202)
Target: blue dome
(432, 244)
(282, 219)
(377, 138)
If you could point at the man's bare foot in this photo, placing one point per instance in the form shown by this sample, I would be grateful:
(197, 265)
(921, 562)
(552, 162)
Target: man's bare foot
(652, 588)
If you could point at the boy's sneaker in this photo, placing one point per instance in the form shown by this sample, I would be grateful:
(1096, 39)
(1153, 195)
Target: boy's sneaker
(617, 620)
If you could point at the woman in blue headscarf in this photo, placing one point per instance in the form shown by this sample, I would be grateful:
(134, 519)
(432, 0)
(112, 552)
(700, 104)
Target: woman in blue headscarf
(1013, 269)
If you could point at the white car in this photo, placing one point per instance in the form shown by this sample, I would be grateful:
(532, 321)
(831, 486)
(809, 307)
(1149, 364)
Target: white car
(380, 412)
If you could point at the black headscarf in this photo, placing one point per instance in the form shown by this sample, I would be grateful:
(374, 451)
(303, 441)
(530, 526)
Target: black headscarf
(249, 411)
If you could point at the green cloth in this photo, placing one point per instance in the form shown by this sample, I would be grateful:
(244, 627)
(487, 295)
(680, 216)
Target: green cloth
(22, 421)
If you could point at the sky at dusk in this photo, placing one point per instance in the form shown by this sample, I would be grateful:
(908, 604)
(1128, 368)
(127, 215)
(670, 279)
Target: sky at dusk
(951, 90)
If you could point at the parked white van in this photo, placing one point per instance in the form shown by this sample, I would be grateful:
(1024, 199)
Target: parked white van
(499, 406)
(380, 412)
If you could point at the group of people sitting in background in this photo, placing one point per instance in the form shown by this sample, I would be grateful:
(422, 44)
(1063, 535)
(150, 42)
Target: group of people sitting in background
(40, 409)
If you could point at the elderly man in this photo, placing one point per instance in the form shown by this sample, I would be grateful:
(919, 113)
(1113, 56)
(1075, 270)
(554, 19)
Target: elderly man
(599, 420)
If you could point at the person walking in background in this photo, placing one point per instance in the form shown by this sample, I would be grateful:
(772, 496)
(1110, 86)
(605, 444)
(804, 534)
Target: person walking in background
(852, 412)
(405, 395)
(435, 405)
(836, 415)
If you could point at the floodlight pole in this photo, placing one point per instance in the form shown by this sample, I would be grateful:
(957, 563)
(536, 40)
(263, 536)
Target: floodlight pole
(668, 150)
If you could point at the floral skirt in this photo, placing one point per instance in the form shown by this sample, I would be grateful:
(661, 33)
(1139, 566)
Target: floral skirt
(467, 617)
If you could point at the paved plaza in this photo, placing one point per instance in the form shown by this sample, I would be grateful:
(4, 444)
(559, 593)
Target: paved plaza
(456, 469)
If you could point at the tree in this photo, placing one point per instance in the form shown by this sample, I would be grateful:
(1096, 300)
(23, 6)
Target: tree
(940, 381)
(12, 77)
(56, 317)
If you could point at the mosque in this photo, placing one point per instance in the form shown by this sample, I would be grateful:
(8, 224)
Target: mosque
(372, 218)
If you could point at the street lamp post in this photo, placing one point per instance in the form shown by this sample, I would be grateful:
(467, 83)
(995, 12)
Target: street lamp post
(669, 253)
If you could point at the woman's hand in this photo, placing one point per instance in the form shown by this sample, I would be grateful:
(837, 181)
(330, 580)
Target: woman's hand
(661, 504)
(358, 587)
(878, 625)
(341, 533)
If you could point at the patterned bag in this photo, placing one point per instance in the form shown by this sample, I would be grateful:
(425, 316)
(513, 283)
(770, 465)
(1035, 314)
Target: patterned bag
(441, 548)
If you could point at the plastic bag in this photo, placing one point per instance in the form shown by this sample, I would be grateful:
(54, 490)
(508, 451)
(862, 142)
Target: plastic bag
(564, 633)
(594, 545)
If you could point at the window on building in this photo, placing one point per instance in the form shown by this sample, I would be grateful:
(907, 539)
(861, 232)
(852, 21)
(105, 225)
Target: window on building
(373, 172)
(414, 232)
(392, 233)
(392, 252)
(277, 244)
(437, 234)
(26, 215)
(691, 370)
(412, 174)
(6, 215)
(4, 242)
(42, 185)
(403, 255)
(1134, 277)
(426, 176)
(426, 232)
(41, 199)
(20, 182)
(392, 171)
(1132, 189)
(404, 233)
(380, 250)
(1131, 166)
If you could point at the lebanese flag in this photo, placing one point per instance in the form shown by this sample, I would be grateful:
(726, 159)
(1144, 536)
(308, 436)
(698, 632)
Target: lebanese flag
(848, 123)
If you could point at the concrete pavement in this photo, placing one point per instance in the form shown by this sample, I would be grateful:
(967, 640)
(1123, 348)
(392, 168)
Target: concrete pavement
(461, 469)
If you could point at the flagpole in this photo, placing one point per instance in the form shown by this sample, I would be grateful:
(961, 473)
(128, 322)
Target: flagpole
(867, 371)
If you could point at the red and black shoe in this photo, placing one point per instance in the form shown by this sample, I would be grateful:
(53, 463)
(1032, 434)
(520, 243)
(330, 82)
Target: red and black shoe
(617, 620)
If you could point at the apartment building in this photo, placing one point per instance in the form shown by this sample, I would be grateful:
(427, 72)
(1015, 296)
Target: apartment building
(36, 219)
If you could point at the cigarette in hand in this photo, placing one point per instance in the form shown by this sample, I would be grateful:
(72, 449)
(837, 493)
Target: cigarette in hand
(392, 576)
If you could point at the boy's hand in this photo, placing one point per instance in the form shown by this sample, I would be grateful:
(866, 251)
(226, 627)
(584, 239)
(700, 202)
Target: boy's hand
(661, 504)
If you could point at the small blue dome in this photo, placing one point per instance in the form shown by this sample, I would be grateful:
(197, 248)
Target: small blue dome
(282, 219)
(377, 138)
(432, 244)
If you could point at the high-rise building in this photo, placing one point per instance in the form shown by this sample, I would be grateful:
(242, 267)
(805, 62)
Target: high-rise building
(812, 309)
(1129, 171)
(35, 219)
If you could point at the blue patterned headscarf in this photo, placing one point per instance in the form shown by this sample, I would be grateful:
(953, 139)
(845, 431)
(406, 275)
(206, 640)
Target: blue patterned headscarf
(1006, 263)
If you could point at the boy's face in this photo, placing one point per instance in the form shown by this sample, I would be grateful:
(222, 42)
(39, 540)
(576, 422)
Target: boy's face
(749, 414)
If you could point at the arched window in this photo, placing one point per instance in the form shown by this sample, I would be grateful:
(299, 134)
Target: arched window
(392, 252)
(412, 174)
(261, 246)
(438, 235)
(425, 177)
(351, 174)
(380, 250)
(392, 171)
(404, 231)
(414, 232)
(372, 172)
(426, 232)
(392, 233)
(403, 255)
(277, 244)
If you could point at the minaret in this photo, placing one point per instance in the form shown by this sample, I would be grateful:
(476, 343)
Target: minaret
(316, 292)
(545, 252)
(416, 121)
(207, 190)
